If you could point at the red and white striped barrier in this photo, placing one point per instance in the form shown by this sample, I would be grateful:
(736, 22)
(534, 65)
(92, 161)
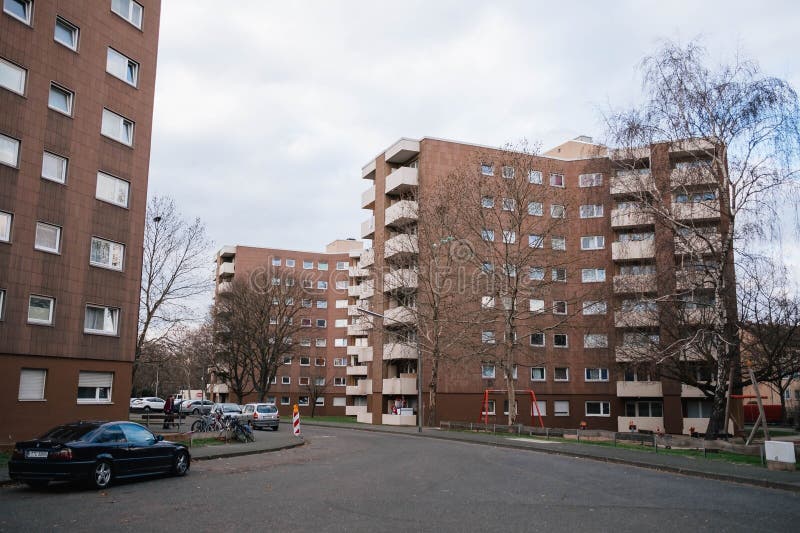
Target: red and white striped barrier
(296, 421)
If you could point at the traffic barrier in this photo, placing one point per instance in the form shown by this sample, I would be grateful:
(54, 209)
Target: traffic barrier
(296, 420)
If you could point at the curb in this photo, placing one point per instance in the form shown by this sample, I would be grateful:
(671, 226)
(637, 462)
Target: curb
(763, 483)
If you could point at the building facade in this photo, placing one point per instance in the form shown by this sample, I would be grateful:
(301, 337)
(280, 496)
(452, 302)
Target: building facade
(580, 370)
(317, 364)
(77, 83)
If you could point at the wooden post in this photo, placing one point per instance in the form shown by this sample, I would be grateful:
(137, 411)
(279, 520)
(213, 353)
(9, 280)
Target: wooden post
(762, 416)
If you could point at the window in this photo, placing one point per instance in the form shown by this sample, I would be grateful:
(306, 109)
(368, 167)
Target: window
(322, 265)
(535, 241)
(106, 254)
(591, 211)
(48, 237)
(557, 180)
(561, 408)
(21, 10)
(286, 380)
(129, 10)
(340, 323)
(559, 307)
(508, 172)
(590, 180)
(9, 151)
(536, 306)
(54, 167)
(538, 374)
(637, 236)
(31, 384)
(338, 382)
(122, 67)
(40, 310)
(101, 320)
(305, 302)
(487, 202)
(487, 371)
(598, 409)
(66, 34)
(60, 99)
(285, 400)
(535, 176)
(558, 243)
(537, 339)
(487, 337)
(2, 302)
(593, 275)
(339, 361)
(276, 261)
(12, 77)
(340, 402)
(305, 361)
(489, 408)
(321, 343)
(594, 308)
(305, 342)
(322, 285)
(487, 235)
(5, 226)
(341, 285)
(290, 263)
(593, 242)
(319, 382)
(287, 359)
(95, 387)
(509, 204)
(340, 343)
(319, 361)
(559, 274)
(319, 401)
(341, 304)
(305, 322)
(303, 401)
(535, 209)
(637, 270)
(536, 274)
(342, 265)
(487, 302)
(644, 409)
(560, 340)
(596, 374)
(322, 304)
(322, 323)
(112, 190)
(487, 169)
(275, 283)
(557, 211)
(303, 381)
(540, 409)
(509, 237)
(117, 127)
(595, 340)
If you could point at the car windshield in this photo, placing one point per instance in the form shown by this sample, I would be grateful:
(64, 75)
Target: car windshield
(230, 407)
(267, 409)
(69, 433)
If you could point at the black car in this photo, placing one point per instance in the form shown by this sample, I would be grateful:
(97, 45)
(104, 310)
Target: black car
(97, 452)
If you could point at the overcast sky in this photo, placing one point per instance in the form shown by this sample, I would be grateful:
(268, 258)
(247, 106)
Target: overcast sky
(265, 112)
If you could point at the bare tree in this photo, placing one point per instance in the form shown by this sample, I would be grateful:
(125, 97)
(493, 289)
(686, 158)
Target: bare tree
(730, 136)
(315, 387)
(256, 319)
(174, 270)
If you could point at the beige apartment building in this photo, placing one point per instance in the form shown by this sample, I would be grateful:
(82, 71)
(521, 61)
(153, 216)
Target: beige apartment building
(580, 370)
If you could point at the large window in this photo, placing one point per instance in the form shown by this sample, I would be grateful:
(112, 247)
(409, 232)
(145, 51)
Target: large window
(66, 33)
(5, 226)
(561, 373)
(101, 320)
(593, 242)
(54, 167)
(591, 211)
(561, 408)
(12, 77)
(60, 99)
(112, 190)
(31, 384)
(598, 409)
(106, 254)
(590, 180)
(117, 127)
(698, 408)
(593, 275)
(95, 387)
(129, 10)
(538, 373)
(537, 339)
(122, 67)
(560, 340)
(48, 237)
(596, 374)
(41, 310)
(21, 10)
(9, 151)
(644, 409)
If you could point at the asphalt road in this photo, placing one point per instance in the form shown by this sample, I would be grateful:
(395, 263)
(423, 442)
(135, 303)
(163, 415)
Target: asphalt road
(346, 480)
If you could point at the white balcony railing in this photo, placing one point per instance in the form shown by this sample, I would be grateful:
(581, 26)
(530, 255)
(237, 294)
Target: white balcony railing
(628, 250)
(639, 389)
(632, 182)
(368, 198)
(402, 180)
(630, 283)
(631, 217)
(401, 245)
(401, 385)
(393, 350)
(402, 278)
(368, 228)
(401, 151)
(401, 213)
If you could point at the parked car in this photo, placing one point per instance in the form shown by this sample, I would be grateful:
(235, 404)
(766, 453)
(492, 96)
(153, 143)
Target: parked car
(97, 452)
(261, 415)
(227, 410)
(148, 404)
(134, 400)
(197, 407)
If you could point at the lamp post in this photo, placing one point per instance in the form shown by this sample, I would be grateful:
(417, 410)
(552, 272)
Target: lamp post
(419, 365)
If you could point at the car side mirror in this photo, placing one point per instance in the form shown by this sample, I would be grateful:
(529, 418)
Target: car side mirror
(159, 438)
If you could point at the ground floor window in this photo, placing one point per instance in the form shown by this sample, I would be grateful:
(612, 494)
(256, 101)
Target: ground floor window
(285, 400)
(320, 402)
(561, 408)
(303, 401)
(95, 387)
(542, 404)
(598, 409)
(340, 402)
(654, 409)
(489, 408)
(698, 408)
(31, 384)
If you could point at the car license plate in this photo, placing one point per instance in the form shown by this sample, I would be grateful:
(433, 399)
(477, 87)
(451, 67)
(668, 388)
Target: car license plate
(36, 454)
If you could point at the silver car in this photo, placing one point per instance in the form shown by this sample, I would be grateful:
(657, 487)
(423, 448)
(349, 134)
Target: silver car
(261, 415)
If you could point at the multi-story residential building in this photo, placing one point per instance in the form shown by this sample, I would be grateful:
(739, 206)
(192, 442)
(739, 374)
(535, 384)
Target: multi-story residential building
(581, 371)
(319, 354)
(77, 82)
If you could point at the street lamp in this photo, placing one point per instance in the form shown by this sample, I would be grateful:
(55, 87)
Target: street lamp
(419, 365)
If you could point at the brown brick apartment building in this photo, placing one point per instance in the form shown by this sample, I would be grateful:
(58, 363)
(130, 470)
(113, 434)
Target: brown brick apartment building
(76, 103)
(578, 370)
(319, 348)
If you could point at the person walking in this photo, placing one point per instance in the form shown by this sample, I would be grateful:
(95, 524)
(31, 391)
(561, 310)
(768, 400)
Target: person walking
(168, 412)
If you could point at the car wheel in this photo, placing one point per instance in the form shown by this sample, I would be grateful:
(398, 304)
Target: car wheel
(146, 408)
(195, 411)
(37, 483)
(181, 466)
(274, 428)
(101, 475)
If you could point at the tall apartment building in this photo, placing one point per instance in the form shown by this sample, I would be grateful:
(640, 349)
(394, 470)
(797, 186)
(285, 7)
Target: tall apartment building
(77, 84)
(584, 373)
(319, 348)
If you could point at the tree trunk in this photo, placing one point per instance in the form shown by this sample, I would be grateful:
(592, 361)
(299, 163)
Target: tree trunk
(432, 390)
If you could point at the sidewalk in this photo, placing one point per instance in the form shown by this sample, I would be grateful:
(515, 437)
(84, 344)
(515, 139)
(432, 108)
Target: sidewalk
(690, 466)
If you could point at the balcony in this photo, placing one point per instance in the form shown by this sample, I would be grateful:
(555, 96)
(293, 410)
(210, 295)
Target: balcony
(632, 353)
(364, 353)
(225, 270)
(630, 283)
(360, 370)
(706, 210)
(698, 244)
(403, 278)
(646, 423)
(368, 228)
(354, 291)
(401, 246)
(399, 315)
(405, 384)
(692, 176)
(693, 279)
(224, 286)
(360, 329)
(356, 272)
(631, 217)
(639, 389)
(631, 250)
(355, 410)
(401, 151)
(393, 350)
(368, 198)
(399, 420)
(632, 182)
(636, 319)
(368, 171)
(352, 310)
(363, 388)
(401, 213)
(367, 289)
(367, 258)
(403, 179)
(227, 251)
(688, 391)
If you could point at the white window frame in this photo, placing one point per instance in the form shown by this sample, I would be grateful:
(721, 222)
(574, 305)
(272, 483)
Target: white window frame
(536, 306)
(488, 337)
(536, 209)
(339, 381)
(15, 146)
(342, 265)
(42, 248)
(114, 311)
(341, 304)
(86, 379)
(305, 360)
(490, 406)
(114, 58)
(593, 242)
(340, 401)
(2, 303)
(20, 71)
(121, 126)
(303, 380)
(340, 323)
(544, 340)
(28, 5)
(508, 172)
(72, 28)
(602, 375)
(51, 314)
(111, 247)
(487, 202)
(596, 211)
(536, 274)
(276, 261)
(535, 177)
(592, 340)
(322, 285)
(556, 369)
(535, 241)
(542, 405)
(555, 177)
(320, 361)
(558, 407)
(117, 182)
(485, 371)
(487, 169)
(590, 275)
(557, 304)
(508, 204)
(285, 400)
(70, 96)
(487, 235)
(33, 388)
(286, 380)
(62, 164)
(543, 372)
(321, 343)
(558, 211)
(594, 179)
(566, 339)
(590, 308)
(303, 401)
(130, 17)
(290, 263)
(340, 343)
(340, 361)
(605, 408)
(6, 236)
(319, 401)
(509, 237)
(558, 243)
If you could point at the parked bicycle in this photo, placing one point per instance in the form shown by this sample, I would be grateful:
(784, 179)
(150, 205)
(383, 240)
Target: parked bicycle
(239, 431)
(207, 423)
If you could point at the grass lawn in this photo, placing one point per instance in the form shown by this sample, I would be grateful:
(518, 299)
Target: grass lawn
(344, 419)
(199, 443)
